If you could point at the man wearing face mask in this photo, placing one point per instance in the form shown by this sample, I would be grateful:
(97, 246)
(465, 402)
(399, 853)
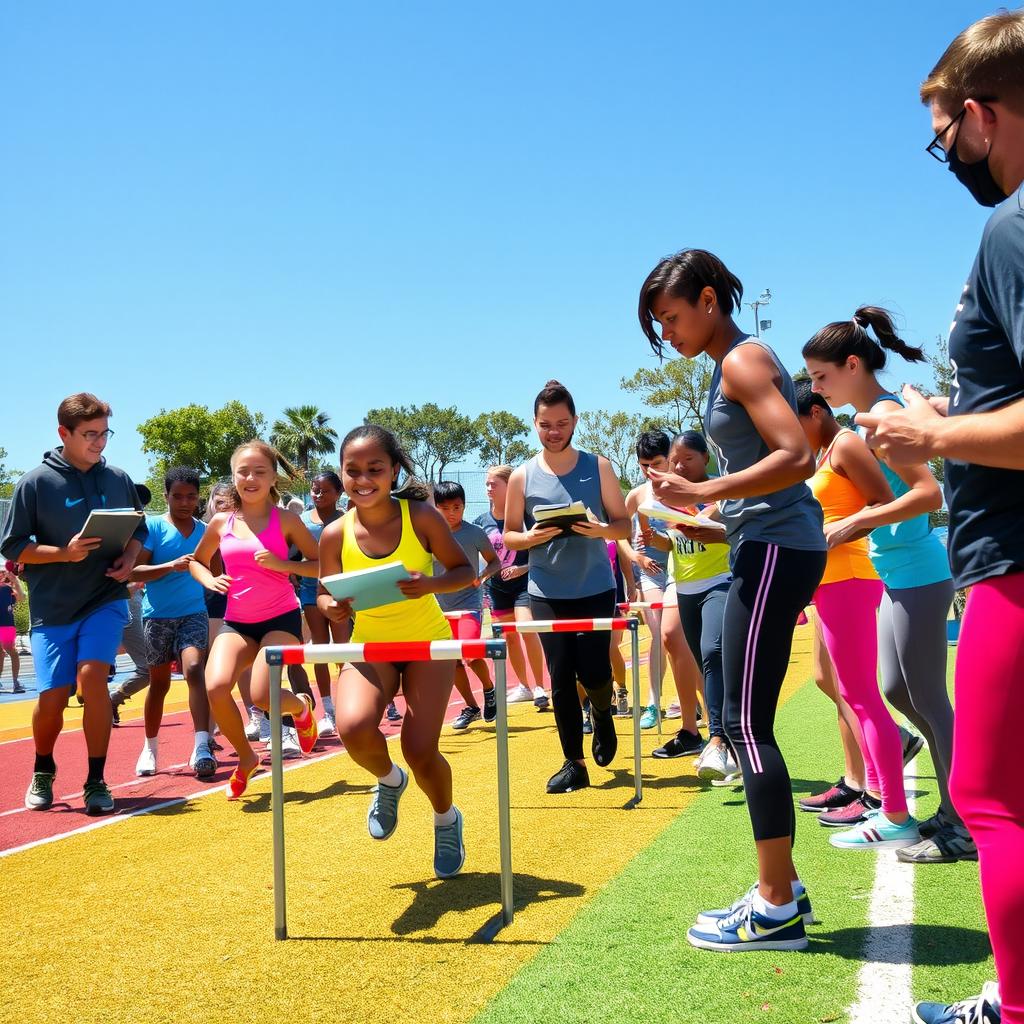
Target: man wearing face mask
(976, 96)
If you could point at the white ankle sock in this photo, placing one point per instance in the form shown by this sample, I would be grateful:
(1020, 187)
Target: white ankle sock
(762, 906)
(152, 743)
(393, 777)
(448, 818)
(202, 739)
(328, 706)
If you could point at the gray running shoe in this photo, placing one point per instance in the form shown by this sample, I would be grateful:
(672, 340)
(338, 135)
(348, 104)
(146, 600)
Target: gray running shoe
(39, 796)
(98, 798)
(449, 853)
(950, 844)
(467, 716)
(382, 818)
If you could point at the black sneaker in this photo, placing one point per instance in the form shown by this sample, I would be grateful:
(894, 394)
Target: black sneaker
(912, 745)
(621, 702)
(839, 795)
(570, 777)
(490, 705)
(588, 722)
(393, 714)
(680, 745)
(115, 712)
(606, 740)
(466, 718)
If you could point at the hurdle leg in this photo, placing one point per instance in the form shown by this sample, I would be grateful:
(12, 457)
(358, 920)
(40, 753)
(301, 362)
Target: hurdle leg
(504, 809)
(656, 670)
(277, 803)
(637, 770)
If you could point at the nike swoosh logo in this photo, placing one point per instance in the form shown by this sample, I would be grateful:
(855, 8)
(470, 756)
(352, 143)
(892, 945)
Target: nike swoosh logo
(585, 479)
(68, 503)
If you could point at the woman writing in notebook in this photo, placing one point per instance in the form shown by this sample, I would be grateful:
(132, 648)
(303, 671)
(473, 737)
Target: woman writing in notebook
(379, 527)
(262, 608)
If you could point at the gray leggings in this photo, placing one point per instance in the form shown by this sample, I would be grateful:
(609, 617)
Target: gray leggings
(912, 648)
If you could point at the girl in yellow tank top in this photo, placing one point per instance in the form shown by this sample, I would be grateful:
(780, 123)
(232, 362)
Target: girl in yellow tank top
(381, 527)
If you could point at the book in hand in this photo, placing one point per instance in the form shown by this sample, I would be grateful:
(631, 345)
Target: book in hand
(368, 588)
(114, 527)
(655, 510)
(564, 516)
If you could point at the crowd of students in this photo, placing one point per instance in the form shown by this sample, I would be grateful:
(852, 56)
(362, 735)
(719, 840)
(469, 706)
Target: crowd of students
(815, 515)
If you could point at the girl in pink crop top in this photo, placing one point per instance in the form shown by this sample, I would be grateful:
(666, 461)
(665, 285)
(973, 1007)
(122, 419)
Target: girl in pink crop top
(263, 609)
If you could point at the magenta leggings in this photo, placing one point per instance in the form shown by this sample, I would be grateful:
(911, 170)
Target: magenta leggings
(848, 611)
(986, 779)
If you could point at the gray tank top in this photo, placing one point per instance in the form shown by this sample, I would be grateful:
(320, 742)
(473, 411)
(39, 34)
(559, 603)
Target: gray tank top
(567, 567)
(791, 517)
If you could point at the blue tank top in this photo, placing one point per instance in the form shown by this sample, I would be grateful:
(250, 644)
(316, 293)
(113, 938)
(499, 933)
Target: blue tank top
(567, 567)
(655, 554)
(790, 518)
(308, 586)
(906, 554)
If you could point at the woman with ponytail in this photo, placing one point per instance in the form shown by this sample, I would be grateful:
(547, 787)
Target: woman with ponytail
(843, 359)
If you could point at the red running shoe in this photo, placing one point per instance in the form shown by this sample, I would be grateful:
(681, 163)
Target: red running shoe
(840, 795)
(239, 781)
(851, 814)
(305, 725)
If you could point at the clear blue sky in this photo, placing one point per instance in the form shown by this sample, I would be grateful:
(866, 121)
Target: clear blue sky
(359, 206)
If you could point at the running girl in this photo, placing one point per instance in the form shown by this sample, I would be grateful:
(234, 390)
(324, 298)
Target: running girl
(570, 577)
(262, 609)
(379, 527)
(774, 527)
(847, 480)
(843, 359)
(10, 594)
(509, 598)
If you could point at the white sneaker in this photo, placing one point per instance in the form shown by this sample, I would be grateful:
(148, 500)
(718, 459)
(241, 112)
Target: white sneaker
(519, 695)
(264, 736)
(290, 743)
(326, 726)
(714, 763)
(252, 727)
(674, 711)
(146, 765)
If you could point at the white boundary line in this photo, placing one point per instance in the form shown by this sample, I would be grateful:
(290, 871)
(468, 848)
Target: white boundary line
(885, 979)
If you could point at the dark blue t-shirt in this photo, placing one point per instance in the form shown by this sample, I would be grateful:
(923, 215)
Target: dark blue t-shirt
(986, 355)
(6, 606)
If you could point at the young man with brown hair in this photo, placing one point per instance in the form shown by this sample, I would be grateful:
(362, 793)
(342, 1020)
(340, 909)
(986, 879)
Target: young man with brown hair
(79, 599)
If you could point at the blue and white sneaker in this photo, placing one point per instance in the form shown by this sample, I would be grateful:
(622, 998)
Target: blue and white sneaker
(803, 906)
(449, 853)
(746, 931)
(877, 832)
(982, 1009)
(382, 817)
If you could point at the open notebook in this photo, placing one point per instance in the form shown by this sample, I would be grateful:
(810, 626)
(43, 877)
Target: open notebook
(368, 588)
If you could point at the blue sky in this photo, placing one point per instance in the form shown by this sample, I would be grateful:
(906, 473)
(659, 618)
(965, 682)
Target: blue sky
(333, 203)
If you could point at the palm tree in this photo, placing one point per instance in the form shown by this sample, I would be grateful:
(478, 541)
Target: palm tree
(302, 433)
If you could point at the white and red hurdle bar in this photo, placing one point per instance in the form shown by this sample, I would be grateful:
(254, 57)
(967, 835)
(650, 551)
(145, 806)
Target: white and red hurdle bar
(595, 626)
(436, 650)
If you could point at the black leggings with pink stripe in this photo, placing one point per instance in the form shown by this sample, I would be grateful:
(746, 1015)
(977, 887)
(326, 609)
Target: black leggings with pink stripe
(771, 586)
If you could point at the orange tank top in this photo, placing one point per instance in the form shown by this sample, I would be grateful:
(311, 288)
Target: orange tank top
(838, 499)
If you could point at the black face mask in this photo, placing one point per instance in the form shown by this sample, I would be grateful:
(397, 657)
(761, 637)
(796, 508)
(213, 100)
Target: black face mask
(976, 178)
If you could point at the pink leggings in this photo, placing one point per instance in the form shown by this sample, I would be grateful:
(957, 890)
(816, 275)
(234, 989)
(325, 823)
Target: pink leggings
(848, 611)
(986, 779)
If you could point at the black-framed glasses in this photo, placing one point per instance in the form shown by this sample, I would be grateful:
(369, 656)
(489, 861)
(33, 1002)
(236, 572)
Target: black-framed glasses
(935, 148)
(96, 435)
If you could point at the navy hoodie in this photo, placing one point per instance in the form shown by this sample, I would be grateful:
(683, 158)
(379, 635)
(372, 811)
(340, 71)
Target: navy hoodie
(50, 505)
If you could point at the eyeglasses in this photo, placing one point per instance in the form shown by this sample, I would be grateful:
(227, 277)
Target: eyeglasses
(96, 435)
(935, 148)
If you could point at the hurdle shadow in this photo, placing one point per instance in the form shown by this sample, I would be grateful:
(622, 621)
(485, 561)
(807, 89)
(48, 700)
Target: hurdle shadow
(260, 803)
(927, 945)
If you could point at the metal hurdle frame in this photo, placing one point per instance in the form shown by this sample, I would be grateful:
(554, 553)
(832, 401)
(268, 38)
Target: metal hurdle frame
(436, 650)
(628, 607)
(594, 626)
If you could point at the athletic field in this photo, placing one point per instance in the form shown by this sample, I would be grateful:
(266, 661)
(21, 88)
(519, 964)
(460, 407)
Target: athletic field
(164, 912)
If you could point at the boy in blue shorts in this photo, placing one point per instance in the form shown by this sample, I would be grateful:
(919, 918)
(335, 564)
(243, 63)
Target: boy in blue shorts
(79, 599)
(450, 499)
(174, 619)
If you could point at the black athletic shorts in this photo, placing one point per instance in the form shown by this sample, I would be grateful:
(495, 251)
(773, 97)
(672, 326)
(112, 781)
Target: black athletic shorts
(289, 622)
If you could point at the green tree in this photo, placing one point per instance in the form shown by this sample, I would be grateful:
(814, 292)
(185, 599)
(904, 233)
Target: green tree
(677, 389)
(500, 441)
(193, 435)
(8, 477)
(433, 437)
(303, 433)
(942, 378)
(613, 435)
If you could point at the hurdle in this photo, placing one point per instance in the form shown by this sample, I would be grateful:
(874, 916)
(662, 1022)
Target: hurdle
(436, 650)
(629, 607)
(595, 626)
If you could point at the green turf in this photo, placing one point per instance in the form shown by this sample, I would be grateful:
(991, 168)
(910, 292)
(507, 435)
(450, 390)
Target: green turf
(625, 957)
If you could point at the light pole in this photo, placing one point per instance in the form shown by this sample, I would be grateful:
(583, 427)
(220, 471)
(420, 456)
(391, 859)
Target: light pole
(762, 300)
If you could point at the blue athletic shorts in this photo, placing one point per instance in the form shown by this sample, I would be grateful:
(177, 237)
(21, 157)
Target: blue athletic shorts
(57, 651)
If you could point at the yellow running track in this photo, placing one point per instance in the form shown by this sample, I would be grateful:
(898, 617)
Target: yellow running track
(168, 916)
